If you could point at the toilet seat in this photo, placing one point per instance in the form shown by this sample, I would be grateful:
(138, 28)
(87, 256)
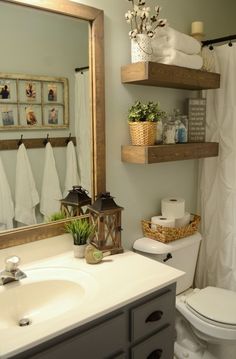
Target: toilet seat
(203, 324)
(215, 305)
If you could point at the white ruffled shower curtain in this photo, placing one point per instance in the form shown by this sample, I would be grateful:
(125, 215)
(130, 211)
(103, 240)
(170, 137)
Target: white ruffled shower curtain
(217, 180)
(83, 127)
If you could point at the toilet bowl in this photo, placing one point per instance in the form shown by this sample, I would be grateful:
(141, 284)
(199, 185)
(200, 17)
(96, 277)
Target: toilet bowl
(210, 312)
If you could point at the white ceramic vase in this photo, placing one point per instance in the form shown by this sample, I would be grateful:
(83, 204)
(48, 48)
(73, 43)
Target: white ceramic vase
(79, 250)
(141, 48)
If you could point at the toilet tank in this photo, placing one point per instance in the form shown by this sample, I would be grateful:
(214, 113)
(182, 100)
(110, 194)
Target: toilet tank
(181, 254)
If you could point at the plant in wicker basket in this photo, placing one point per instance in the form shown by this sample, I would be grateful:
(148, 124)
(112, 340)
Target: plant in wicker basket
(143, 120)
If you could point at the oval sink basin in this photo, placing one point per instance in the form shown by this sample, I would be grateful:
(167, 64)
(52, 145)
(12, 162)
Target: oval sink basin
(44, 294)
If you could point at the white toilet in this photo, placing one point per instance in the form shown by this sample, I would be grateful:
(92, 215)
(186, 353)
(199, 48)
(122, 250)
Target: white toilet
(205, 318)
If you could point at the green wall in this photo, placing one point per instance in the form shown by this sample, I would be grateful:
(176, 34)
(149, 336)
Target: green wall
(139, 188)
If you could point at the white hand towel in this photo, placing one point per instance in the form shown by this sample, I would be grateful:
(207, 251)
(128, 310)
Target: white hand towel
(72, 177)
(6, 203)
(168, 37)
(26, 195)
(178, 58)
(51, 192)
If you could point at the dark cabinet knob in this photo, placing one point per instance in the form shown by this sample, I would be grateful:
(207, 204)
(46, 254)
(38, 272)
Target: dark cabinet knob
(154, 316)
(156, 354)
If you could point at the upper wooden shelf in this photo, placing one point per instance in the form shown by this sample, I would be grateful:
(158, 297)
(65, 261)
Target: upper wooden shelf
(166, 153)
(155, 74)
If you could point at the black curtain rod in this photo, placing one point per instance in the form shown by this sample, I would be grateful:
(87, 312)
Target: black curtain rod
(220, 39)
(78, 69)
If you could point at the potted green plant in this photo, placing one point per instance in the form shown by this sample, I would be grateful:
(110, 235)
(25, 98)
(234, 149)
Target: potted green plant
(81, 230)
(143, 120)
(57, 216)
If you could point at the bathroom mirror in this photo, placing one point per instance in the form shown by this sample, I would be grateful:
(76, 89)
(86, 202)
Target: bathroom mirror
(94, 19)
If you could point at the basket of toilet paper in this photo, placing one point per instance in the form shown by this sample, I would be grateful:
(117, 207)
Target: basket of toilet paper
(173, 223)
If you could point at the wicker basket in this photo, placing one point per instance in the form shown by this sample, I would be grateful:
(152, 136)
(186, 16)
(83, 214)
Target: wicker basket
(167, 234)
(143, 133)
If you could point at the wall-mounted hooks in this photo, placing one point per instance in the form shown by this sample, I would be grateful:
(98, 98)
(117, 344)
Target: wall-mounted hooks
(13, 144)
(68, 139)
(230, 44)
(46, 140)
(211, 47)
(20, 141)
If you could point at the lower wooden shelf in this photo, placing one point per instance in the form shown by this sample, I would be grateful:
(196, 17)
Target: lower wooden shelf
(166, 153)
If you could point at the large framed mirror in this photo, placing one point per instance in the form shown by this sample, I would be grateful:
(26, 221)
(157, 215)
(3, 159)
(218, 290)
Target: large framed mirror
(79, 14)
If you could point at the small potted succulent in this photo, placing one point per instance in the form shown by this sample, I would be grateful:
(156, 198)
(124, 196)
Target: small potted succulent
(143, 120)
(81, 230)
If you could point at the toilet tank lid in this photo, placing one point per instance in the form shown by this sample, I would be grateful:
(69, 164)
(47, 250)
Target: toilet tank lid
(148, 245)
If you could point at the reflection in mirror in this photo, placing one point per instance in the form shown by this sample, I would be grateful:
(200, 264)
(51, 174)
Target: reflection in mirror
(45, 43)
(40, 43)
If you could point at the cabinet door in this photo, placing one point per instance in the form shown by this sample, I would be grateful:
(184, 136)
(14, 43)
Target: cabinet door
(158, 346)
(99, 342)
(152, 315)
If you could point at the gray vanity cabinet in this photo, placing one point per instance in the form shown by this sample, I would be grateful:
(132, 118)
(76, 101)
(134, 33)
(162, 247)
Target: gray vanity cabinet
(99, 342)
(143, 329)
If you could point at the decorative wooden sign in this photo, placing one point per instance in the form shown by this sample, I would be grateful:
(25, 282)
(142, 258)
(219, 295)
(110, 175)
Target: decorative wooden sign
(197, 119)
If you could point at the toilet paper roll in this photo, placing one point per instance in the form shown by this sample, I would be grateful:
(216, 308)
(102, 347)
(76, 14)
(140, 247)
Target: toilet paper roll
(183, 221)
(173, 207)
(162, 221)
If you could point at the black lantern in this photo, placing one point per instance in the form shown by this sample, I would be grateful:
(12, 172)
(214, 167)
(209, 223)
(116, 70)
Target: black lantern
(72, 204)
(106, 218)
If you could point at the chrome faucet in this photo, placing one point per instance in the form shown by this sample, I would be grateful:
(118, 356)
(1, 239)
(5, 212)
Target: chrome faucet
(11, 273)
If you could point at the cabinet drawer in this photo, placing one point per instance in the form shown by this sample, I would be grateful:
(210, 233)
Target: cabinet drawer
(158, 346)
(152, 315)
(99, 342)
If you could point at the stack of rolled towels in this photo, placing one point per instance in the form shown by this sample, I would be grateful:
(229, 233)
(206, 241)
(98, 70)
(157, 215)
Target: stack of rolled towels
(172, 47)
(173, 214)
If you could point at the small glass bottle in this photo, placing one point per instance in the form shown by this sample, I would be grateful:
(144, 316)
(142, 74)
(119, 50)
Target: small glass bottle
(183, 130)
(169, 132)
(176, 118)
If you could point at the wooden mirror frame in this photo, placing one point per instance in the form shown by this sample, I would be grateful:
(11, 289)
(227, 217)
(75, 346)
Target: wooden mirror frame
(95, 17)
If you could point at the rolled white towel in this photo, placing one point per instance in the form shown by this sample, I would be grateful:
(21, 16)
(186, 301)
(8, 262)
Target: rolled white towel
(168, 37)
(178, 58)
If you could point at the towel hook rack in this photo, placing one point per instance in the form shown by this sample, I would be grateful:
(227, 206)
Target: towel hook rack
(20, 141)
(68, 139)
(46, 140)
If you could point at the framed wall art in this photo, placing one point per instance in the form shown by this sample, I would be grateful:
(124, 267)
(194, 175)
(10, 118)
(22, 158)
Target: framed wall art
(33, 102)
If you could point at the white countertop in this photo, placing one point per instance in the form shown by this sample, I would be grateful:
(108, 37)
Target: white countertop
(118, 280)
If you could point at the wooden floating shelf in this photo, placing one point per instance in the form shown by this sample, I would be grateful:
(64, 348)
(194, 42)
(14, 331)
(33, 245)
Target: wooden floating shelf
(166, 153)
(155, 74)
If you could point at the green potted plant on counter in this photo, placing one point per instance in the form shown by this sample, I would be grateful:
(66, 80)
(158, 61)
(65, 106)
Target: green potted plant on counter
(57, 216)
(81, 230)
(143, 120)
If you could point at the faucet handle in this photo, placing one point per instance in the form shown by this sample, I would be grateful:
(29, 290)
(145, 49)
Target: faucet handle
(12, 263)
